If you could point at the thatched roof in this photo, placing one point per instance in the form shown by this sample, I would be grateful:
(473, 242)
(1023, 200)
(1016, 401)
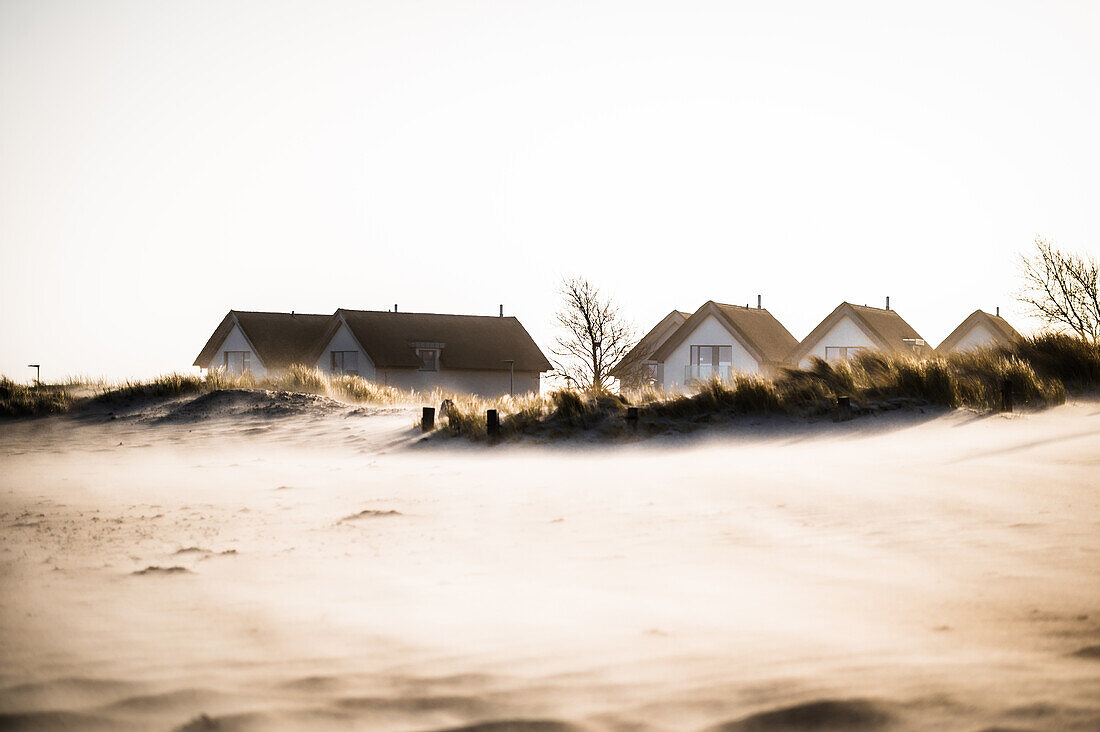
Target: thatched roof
(995, 324)
(467, 341)
(278, 339)
(885, 328)
(759, 332)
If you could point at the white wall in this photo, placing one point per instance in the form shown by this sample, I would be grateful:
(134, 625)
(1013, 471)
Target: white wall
(236, 341)
(844, 333)
(343, 340)
(711, 332)
(482, 383)
(976, 337)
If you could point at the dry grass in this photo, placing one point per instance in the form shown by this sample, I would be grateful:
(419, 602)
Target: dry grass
(1041, 370)
(19, 400)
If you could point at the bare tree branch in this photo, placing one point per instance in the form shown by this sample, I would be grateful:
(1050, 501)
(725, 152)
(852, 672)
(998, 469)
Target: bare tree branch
(594, 336)
(1062, 289)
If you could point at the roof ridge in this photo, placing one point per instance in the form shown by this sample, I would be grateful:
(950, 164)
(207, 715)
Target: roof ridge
(280, 312)
(438, 315)
(870, 307)
(740, 307)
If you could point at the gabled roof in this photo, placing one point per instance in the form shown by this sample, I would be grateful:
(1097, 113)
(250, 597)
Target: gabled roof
(279, 339)
(998, 326)
(469, 341)
(885, 327)
(650, 342)
(759, 332)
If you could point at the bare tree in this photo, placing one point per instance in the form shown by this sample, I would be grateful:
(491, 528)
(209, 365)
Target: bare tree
(595, 335)
(1062, 289)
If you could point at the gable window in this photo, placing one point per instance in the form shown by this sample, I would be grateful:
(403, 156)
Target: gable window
(841, 353)
(916, 344)
(429, 359)
(238, 362)
(345, 362)
(710, 361)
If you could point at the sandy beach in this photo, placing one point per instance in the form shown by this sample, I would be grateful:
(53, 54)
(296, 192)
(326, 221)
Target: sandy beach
(266, 562)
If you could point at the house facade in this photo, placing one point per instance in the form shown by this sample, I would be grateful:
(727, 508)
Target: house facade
(473, 354)
(719, 341)
(852, 329)
(979, 330)
(261, 343)
(637, 367)
(483, 355)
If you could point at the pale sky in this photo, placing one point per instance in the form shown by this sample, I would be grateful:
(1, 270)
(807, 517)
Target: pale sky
(163, 162)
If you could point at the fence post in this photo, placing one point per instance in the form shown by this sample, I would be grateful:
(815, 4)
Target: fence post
(427, 422)
(843, 408)
(492, 424)
(1006, 395)
(632, 418)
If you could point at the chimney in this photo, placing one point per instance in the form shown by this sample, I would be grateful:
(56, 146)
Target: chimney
(502, 311)
(887, 302)
(759, 302)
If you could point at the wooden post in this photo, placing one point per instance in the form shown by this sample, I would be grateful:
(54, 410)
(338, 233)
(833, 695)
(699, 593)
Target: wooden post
(843, 408)
(1006, 395)
(427, 422)
(492, 424)
(632, 418)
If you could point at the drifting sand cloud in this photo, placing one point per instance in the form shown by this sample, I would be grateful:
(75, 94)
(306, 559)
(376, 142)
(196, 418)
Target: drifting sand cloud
(931, 571)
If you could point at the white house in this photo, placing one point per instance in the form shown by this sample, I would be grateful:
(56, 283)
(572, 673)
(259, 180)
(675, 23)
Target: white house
(474, 354)
(637, 367)
(720, 340)
(261, 342)
(979, 330)
(484, 355)
(850, 329)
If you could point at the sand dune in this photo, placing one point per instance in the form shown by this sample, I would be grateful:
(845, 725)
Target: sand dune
(255, 562)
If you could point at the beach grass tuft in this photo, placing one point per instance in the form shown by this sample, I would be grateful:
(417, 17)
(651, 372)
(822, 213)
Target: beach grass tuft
(20, 400)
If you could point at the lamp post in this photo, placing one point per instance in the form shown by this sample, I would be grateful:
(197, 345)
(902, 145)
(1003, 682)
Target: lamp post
(37, 373)
(511, 376)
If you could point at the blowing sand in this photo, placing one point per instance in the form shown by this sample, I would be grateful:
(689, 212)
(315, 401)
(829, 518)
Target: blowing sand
(301, 566)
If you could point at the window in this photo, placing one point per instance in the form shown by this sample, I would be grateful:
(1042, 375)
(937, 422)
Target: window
(710, 361)
(713, 356)
(238, 362)
(841, 353)
(429, 359)
(345, 362)
(917, 344)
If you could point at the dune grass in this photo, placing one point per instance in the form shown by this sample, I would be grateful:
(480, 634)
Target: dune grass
(1042, 369)
(20, 400)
